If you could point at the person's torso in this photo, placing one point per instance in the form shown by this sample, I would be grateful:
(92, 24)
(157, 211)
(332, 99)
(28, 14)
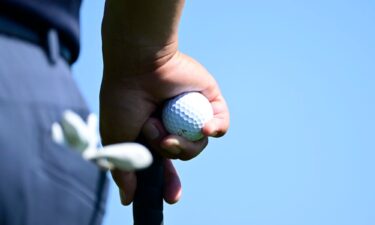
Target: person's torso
(62, 15)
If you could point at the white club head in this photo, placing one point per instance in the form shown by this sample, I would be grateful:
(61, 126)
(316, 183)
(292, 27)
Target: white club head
(123, 156)
(92, 126)
(83, 138)
(76, 132)
(57, 134)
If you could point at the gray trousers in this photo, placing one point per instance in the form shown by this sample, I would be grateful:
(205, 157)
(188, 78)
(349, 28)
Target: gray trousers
(42, 183)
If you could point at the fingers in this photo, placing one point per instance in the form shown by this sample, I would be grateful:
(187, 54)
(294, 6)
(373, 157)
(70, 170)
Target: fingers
(172, 184)
(171, 146)
(154, 133)
(182, 148)
(127, 183)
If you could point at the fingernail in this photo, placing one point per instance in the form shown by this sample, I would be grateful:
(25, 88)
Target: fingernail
(214, 134)
(150, 131)
(214, 131)
(173, 149)
(122, 197)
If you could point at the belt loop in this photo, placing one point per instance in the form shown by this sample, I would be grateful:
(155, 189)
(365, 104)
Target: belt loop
(53, 46)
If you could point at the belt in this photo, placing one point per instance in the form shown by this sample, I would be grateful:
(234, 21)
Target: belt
(47, 39)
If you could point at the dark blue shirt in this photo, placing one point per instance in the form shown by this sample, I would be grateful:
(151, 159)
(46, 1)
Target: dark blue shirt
(63, 15)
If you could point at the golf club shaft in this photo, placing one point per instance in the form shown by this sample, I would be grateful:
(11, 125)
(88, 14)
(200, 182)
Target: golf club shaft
(148, 200)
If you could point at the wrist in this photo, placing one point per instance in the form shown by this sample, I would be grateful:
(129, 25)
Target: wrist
(140, 36)
(123, 60)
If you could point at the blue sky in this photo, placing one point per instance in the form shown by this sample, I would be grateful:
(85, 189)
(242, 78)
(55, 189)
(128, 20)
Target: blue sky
(299, 78)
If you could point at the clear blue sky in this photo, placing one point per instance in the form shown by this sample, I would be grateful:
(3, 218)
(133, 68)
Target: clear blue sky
(299, 78)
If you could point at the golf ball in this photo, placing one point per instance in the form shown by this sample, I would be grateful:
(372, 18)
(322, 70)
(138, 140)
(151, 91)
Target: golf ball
(186, 114)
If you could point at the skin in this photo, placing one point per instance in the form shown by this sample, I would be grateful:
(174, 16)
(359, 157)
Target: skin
(142, 68)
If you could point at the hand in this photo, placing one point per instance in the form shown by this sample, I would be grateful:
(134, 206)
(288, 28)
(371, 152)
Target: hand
(127, 102)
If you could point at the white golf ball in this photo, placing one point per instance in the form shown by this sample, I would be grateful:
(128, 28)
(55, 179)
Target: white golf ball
(186, 114)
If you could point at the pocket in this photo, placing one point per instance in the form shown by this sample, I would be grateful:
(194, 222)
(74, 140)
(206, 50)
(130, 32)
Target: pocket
(65, 185)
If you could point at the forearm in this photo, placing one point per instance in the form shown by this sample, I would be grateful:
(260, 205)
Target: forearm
(139, 35)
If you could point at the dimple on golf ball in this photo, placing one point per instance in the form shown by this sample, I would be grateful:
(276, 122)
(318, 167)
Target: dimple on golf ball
(186, 114)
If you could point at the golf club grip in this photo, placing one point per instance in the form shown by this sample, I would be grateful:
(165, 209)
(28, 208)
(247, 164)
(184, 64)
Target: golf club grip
(148, 199)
